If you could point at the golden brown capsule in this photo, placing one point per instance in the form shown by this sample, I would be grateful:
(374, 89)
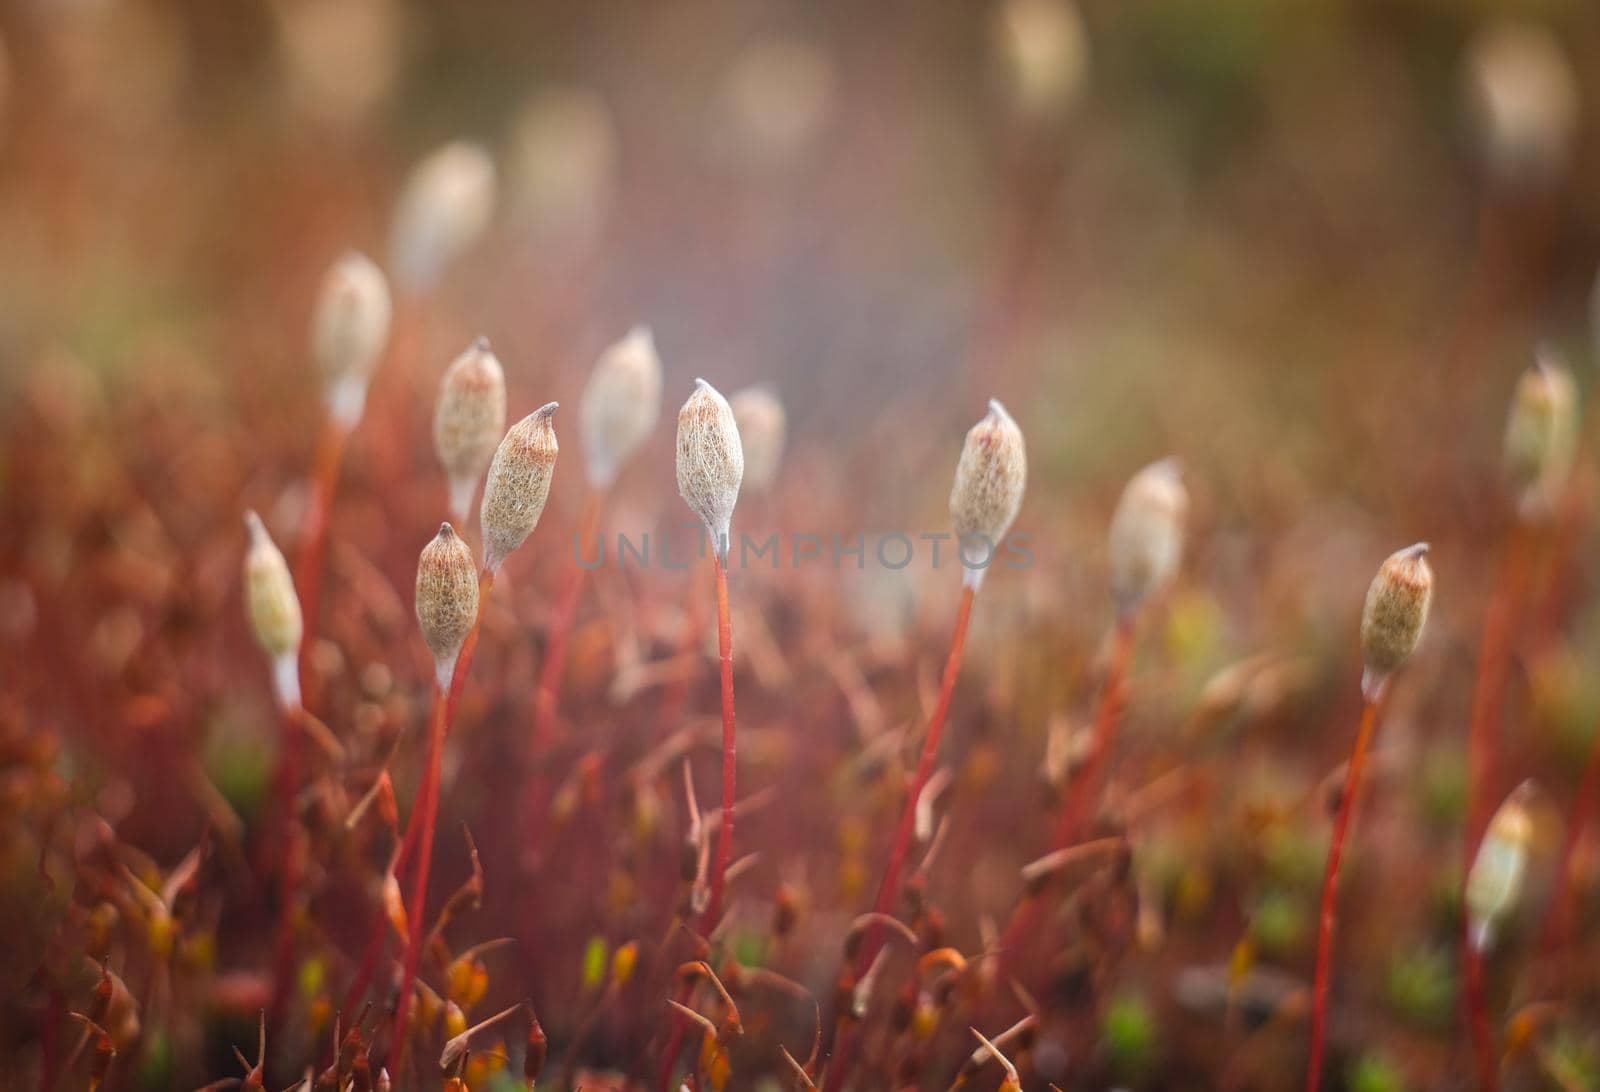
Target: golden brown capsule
(1147, 534)
(987, 494)
(348, 333)
(1541, 436)
(710, 461)
(763, 426)
(620, 404)
(1395, 612)
(444, 206)
(1524, 98)
(274, 609)
(1044, 50)
(518, 484)
(1499, 871)
(447, 598)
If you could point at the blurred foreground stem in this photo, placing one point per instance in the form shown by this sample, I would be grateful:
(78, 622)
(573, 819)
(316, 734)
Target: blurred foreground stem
(1083, 790)
(1330, 888)
(708, 923)
(890, 887)
(426, 813)
(1559, 921)
(1477, 1006)
(547, 696)
(408, 841)
(725, 832)
(1501, 621)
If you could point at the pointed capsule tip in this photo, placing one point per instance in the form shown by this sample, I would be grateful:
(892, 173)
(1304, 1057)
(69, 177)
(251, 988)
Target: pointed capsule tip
(996, 409)
(1171, 467)
(481, 343)
(547, 411)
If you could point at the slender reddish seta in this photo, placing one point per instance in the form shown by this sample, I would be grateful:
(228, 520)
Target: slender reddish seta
(719, 874)
(1392, 620)
(447, 608)
(277, 621)
(710, 466)
(985, 498)
(547, 693)
(1146, 547)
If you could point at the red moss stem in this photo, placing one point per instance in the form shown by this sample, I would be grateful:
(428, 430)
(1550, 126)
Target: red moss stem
(427, 809)
(408, 840)
(1330, 887)
(1475, 999)
(872, 940)
(889, 888)
(719, 870)
(1500, 622)
(286, 780)
(1559, 920)
(675, 1042)
(1083, 792)
(289, 866)
(547, 695)
(313, 545)
(1083, 789)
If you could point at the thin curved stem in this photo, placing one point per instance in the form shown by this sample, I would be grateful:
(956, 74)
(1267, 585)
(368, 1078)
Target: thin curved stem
(1083, 792)
(1477, 1006)
(313, 545)
(719, 872)
(427, 809)
(1500, 622)
(547, 695)
(887, 890)
(890, 887)
(289, 866)
(408, 840)
(1330, 888)
(1559, 920)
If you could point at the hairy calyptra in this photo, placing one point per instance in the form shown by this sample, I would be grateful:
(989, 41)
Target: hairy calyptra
(518, 485)
(1496, 880)
(987, 493)
(710, 461)
(447, 598)
(348, 333)
(620, 404)
(274, 610)
(1392, 618)
(1541, 436)
(763, 426)
(444, 206)
(1524, 99)
(468, 421)
(1147, 534)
